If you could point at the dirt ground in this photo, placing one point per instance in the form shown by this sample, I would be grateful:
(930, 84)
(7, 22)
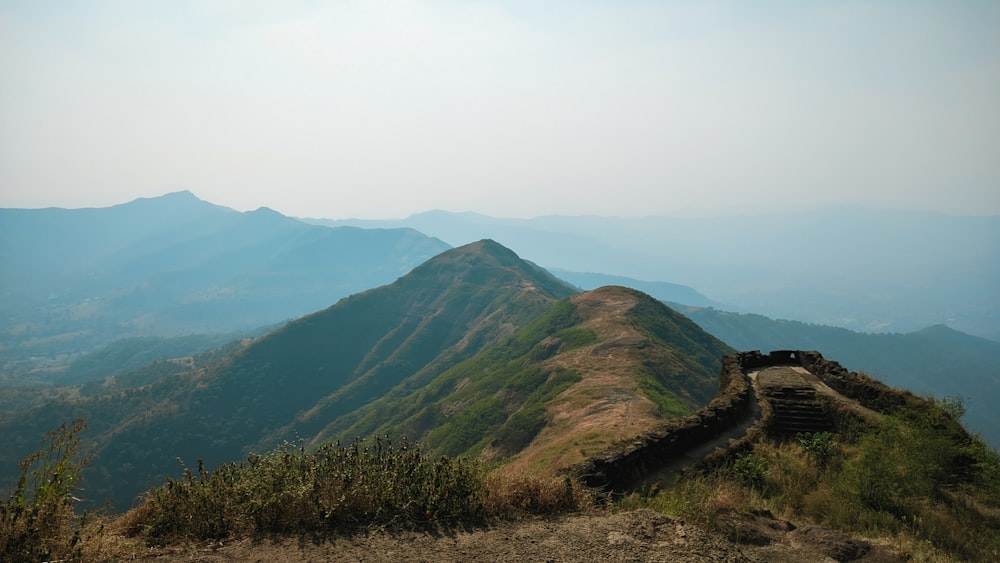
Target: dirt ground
(635, 536)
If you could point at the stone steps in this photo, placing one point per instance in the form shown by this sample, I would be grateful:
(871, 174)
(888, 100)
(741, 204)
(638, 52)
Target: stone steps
(795, 409)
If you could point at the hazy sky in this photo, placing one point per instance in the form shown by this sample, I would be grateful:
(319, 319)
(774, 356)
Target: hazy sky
(380, 109)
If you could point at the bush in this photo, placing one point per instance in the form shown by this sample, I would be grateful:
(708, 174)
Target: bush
(914, 476)
(749, 469)
(374, 482)
(897, 462)
(292, 490)
(818, 445)
(37, 521)
(510, 493)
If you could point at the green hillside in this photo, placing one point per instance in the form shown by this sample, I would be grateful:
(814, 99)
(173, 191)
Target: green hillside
(475, 352)
(328, 363)
(496, 404)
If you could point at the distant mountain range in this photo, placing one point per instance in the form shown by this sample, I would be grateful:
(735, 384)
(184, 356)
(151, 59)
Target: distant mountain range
(865, 269)
(74, 279)
(664, 291)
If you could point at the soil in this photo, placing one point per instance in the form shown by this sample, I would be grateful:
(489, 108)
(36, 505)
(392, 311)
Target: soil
(634, 536)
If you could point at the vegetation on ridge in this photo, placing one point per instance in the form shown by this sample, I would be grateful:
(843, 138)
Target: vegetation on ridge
(37, 520)
(509, 369)
(335, 489)
(371, 482)
(915, 479)
(598, 351)
(294, 381)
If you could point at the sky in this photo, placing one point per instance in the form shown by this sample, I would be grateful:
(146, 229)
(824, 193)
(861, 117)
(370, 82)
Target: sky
(380, 109)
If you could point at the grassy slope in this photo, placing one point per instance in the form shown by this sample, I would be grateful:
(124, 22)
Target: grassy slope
(329, 363)
(597, 367)
(556, 380)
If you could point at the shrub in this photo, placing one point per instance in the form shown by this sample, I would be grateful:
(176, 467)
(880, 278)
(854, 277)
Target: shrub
(898, 461)
(509, 493)
(373, 482)
(37, 521)
(818, 445)
(704, 499)
(292, 490)
(749, 469)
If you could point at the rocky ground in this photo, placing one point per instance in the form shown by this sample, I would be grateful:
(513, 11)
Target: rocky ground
(637, 536)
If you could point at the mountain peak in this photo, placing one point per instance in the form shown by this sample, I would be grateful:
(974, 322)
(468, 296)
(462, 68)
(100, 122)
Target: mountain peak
(267, 213)
(183, 201)
(489, 247)
(486, 262)
(181, 195)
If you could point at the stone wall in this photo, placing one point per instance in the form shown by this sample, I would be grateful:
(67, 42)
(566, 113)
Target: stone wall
(627, 463)
(870, 393)
(623, 465)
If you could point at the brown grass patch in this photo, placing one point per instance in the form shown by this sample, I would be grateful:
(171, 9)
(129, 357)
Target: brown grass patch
(510, 493)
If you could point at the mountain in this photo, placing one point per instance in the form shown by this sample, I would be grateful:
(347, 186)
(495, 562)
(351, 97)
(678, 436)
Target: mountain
(601, 366)
(664, 291)
(129, 354)
(872, 270)
(937, 360)
(441, 312)
(475, 351)
(75, 279)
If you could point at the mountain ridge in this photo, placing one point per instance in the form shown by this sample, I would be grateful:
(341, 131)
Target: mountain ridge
(476, 314)
(72, 280)
(369, 339)
(785, 264)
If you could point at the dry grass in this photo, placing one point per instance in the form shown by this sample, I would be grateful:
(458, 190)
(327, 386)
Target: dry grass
(606, 405)
(510, 493)
(900, 484)
(372, 483)
(37, 520)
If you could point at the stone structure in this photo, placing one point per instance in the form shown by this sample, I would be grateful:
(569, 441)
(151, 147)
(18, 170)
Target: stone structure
(623, 467)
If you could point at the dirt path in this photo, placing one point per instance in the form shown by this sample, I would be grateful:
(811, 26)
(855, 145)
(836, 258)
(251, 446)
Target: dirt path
(636, 536)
